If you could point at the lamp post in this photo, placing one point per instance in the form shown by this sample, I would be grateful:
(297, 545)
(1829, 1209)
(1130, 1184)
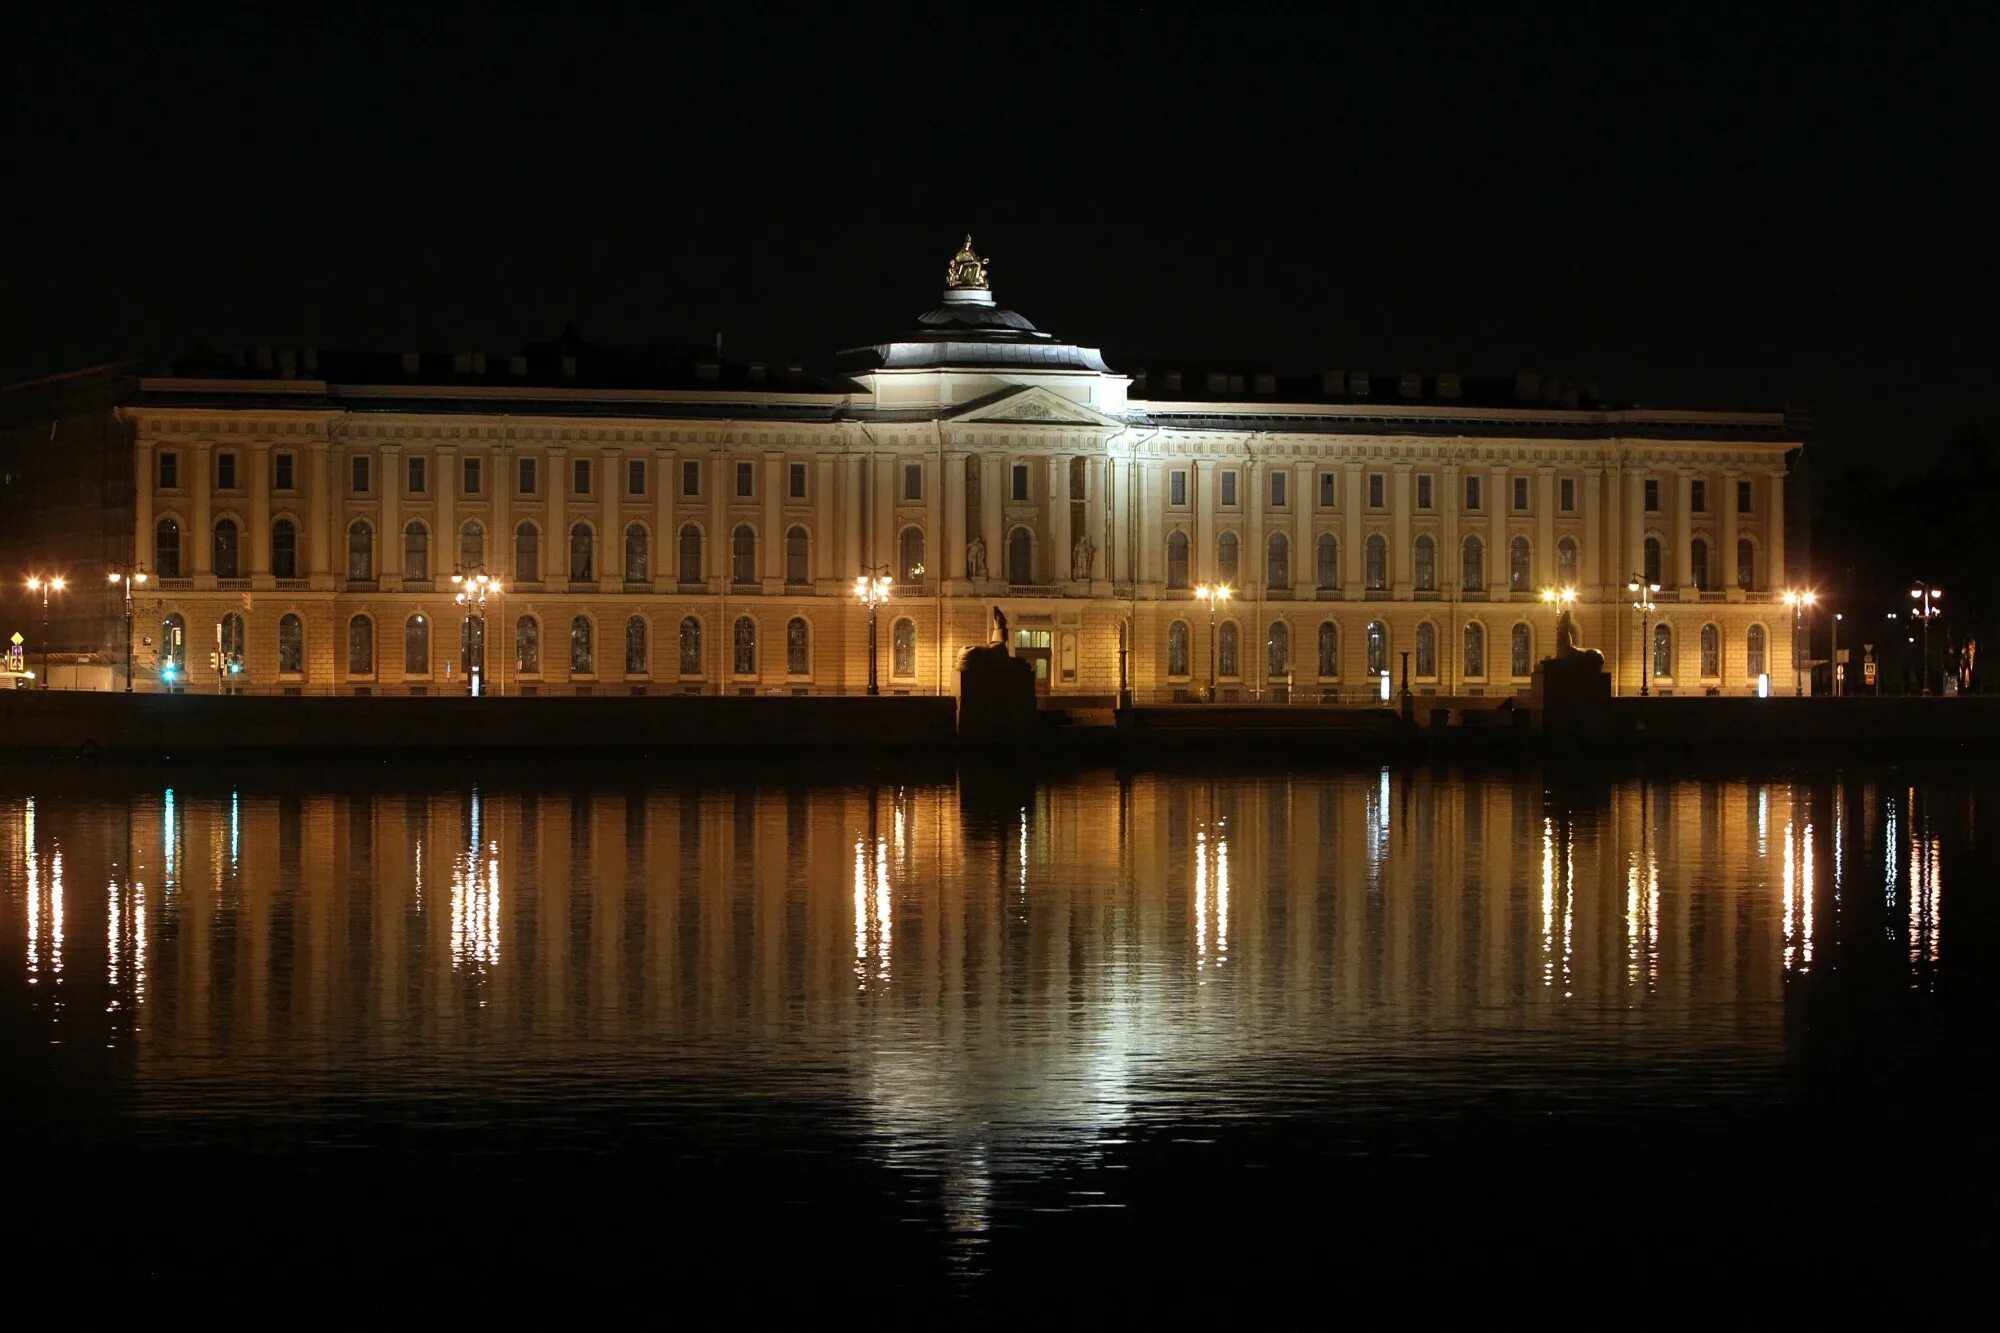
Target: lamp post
(1561, 599)
(1835, 677)
(474, 587)
(1643, 594)
(130, 576)
(1212, 593)
(1798, 599)
(45, 586)
(1926, 598)
(872, 589)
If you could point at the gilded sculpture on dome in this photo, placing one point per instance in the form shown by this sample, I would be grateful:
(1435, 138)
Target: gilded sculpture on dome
(966, 269)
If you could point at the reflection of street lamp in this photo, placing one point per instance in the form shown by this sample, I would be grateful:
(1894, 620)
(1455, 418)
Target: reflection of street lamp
(1642, 602)
(1212, 593)
(36, 583)
(872, 589)
(1926, 598)
(473, 590)
(130, 576)
(1798, 600)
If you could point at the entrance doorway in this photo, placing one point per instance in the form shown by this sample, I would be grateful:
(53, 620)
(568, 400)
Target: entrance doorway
(1036, 647)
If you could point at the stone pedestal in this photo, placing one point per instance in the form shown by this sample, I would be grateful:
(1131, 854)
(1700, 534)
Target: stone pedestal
(1572, 695)
(996, 698)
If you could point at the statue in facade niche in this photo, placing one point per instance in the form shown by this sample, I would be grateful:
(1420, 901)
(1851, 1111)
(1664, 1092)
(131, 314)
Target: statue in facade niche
(1080, 558)
(975, 558)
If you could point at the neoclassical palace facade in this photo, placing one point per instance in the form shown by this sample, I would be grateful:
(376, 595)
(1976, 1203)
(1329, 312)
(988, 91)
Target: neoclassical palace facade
(303, 515)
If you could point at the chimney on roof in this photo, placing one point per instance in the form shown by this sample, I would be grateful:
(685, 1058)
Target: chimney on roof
(1357, 383)
(1527, 386)
(288, 362)
(263, 358)
(1410, 384)
(517, 366)
(312, 360)
(1449, 387)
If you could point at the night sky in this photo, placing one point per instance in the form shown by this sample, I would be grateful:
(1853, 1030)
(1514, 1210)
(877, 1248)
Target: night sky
(1756, 206)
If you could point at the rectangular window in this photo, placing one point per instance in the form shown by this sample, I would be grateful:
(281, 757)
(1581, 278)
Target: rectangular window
(1177, 487)
(1229, 488)
(798, 481)
(635, 476)
(1742, 497)
(1698, 497)
(746, 480)
(580, 476)
(527, 476)
(1652, 495)
(913, 481)
(1567, 489)
(469, 474)
(281, 471)
(1423, 492)
(1020, 481)
(170, 469)
(1278, 490)
(1520, 495)
(1377, 485)
(358, 473)
(225, 471)
(1326, 490)
(417, 478)
(1472, 494)
(690, 478)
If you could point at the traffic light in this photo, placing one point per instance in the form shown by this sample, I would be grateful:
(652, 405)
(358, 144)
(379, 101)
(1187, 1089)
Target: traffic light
(214, 660)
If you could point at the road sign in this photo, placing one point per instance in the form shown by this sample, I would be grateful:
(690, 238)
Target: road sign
(1868, 672)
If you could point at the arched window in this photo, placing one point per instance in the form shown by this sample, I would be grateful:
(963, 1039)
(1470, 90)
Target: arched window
(1427, 650)
(1519, 571)
(472, 545)
(1227, 557)
(1711, 652)
(1653, 561)
(746, 646)
(903, 648)
(690, 646)
(798, 646)
(230, 639)
(1225, 649)
(582, 662)
(167, 549)
(1566, 562)
(284, 549)
(1426, 565)
(1472, 565)
(1753, 652)
(1177, 560)
(1277, 562)
(1020, 557)
(417, 646)
(797, 571)
(635, 553)
(743, 555)
(1746, 562)
(361, 646)
(910, 550)
(1475, 650)
(1698, 562)
(690, 554)
(1375, 556)
(360, 550)
(1522, 649)
(1663, 652)
(1326, 562)
(1177, 648)
(226, 564)
(416, 550)
(173, 641)
(527, 553)
(1329, 650)
(1378, 648)
(528, 646)
(582, 565)
(1278, 648)
(291, 645)
(635, 645)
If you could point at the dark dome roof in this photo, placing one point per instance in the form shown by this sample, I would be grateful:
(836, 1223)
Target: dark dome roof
(971, 315)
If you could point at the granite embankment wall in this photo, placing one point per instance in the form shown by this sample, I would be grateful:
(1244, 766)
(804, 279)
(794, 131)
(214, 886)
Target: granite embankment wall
(1791, 723)
(56, 722)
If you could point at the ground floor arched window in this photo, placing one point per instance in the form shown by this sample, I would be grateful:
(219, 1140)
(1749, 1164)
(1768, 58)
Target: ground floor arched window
(1427, 650)
(417, 645)
(745, 643)
(798, 646)
(1278, 648)
(1475, 650)
(635, 646)
(690, 645)
(1711, 652)
(582, 659)
(291, 645)
(1329, 650)
(1378, 648)
(361, 646)
(1521, 649)
(1753, 651)
(903, 648)
(527, 646)
(1177, 648)
(1225, 649)
(1663, 652)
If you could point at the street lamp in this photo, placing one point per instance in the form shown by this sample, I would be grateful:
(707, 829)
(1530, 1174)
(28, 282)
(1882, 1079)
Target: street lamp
(36, 583)
(1212, 593)
(1926, 598)
(474, 587)
(1561, 599)
(1798, 600)
(872, 589)
(1643, 594)
(130, 576)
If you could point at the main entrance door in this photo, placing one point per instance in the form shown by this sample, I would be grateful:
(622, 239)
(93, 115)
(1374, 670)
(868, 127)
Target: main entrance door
(1036, 647)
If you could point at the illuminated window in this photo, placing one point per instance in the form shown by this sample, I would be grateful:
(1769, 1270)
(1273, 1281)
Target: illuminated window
(910, 548)
(472, 544)
(635, 553)
(1378, 648)
(1427, 650)
(1663, 652)
(1375, 557)
(798, 648)
(1425, 563)
(1522, 649)
(1177, 648)
(1472, 565)
(690, 554)
(528, 646)
(582, 661)
(360, 550)
(1566, 562)
(1753, 651)
(903, 648)
(527, 553)
(1278, 649)
(417, 646)
(1329, 650)
(690, 645)
(745, 659)
(1519, 557)
(1225, 649)
(1711, 652)
(1475, 650)
(167, 549)
(291, 645)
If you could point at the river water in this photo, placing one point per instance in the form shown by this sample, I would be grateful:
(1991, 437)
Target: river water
(358, 1044)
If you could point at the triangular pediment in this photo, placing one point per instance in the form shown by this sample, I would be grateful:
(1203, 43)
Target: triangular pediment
(1030, 405)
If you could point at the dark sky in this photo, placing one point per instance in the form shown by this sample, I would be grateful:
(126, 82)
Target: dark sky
(1753, 204)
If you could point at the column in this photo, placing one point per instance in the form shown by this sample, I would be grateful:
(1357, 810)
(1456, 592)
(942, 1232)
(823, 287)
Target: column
(1499, 504)
(1726, 558)
(555, 532)
(1202, 476)
(1775, 575)
(501, 478)
(1254, 486)
(389, 549)
(319, 513)
(1097, 515)
(611, 520)
(825, 548)
(1058, 525)
(201, 539)
(1399, 522)
(142, 508)
(850, 536)
(1634, 523)
(773, 543)
(1451, 562)
(992, 476)
(260, 514)
(334, 502)
(1590, 560)
(952, 565)
(937, 549)
(720, 568)
(1545, 527)
(882, 518)
(666, 533)
(444, 542)
(1149, 543)
(1353, 495)
(1305, 556)
(1683, 561)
